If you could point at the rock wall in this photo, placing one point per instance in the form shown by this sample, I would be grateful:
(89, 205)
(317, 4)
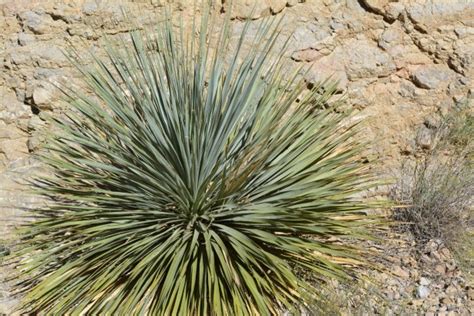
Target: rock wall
(399, 63)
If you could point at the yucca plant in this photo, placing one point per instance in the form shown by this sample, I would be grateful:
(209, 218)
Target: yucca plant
(195, 180)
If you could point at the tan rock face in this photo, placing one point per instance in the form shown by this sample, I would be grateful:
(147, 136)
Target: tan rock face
(385, 54)
(44, 94)
(397, 61)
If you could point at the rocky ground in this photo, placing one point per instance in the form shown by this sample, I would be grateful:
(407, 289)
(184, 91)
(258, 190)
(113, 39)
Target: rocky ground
(424, 281)
(430, 284)
(400, 63)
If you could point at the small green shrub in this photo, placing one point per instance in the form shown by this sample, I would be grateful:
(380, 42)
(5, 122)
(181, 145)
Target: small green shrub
(193, 183)
(438, 190)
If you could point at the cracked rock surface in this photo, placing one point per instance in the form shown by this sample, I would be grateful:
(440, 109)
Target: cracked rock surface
(398, 62)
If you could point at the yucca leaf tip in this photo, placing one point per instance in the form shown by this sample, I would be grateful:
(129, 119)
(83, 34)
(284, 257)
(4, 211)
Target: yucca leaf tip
(194, 181)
